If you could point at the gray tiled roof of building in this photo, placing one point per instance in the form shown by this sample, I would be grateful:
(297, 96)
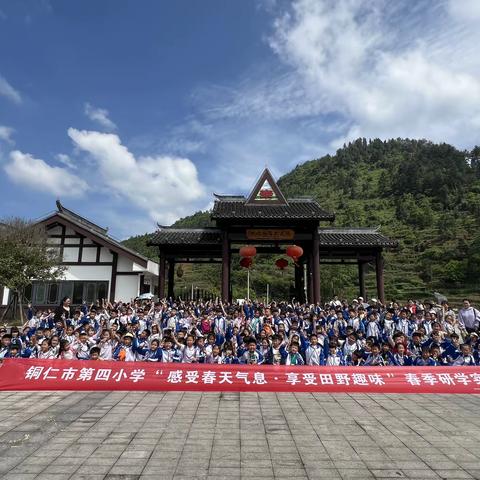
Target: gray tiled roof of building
(307, 209)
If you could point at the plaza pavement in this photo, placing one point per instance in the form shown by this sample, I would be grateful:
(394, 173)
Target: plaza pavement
(177, 435)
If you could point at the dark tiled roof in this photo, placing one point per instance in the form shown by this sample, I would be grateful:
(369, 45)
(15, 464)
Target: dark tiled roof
(186, 236)
(354, 237)
(329, 237)
(307, 209)
(80, 219)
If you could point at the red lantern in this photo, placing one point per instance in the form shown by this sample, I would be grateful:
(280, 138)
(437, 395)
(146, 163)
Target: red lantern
(281, 264)
(246, 262)
(294, 252)
(248, 251)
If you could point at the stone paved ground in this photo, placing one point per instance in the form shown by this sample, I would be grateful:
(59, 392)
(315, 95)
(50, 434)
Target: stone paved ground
(176, 435)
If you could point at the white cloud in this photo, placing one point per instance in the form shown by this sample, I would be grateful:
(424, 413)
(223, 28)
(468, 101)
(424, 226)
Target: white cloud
(348, 51)
(99, 116)
(166, 187)
(379, 69)
(34, 173)
(9, 92)
(465, 10)
(6, 134)
(66, 160)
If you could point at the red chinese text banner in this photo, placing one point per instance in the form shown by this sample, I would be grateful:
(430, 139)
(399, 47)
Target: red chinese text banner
(34, 374)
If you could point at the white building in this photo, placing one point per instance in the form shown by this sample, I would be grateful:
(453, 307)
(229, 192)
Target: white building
(97, 266)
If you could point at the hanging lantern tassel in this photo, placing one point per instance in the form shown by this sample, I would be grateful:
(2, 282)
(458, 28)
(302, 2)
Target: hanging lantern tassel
(294, 252)
(246, 262)
(281, 264)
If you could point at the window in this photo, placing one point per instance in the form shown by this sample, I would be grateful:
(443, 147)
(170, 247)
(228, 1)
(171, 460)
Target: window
(66, 290)
(52, 293)
(27, 293)
(90, 293)
(77, 296)
(39, 295)
(102, 291)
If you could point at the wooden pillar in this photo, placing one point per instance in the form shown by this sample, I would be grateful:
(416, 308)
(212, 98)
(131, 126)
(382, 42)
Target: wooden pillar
(225, 268)
(161, 274)
(316, 268)
(361, 279)
(113, 278)
(310, 277)
(171, 278)
(299, 269)
(380, 281)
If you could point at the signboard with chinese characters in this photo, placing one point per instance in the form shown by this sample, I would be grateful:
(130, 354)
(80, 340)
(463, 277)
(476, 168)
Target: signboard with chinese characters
(270, 234)
(34, 374)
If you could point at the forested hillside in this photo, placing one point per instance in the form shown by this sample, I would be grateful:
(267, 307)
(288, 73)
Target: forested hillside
(425, 195)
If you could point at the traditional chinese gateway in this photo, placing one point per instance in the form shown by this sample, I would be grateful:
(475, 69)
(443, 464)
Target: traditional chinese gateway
(272, 222)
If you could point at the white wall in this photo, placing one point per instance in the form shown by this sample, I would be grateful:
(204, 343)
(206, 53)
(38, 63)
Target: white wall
(55, 230)
(89, 255)
(124, 264)
(88, 272)
(70, 254)
(105, 255)
(127, 287)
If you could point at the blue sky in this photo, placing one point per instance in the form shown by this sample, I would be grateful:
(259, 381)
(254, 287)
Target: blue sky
(133, 112)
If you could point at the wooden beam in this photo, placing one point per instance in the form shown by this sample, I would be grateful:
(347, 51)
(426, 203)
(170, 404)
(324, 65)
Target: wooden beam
(379, 275)
(310, 275)
(62, 241)
(225, 268)
(316, 269)
(86, 264)
(361, 279)
(113, 278)
(80, 250)
(171, 278)
(161, 274)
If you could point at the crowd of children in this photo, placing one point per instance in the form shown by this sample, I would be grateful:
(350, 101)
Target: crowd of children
(335, 334)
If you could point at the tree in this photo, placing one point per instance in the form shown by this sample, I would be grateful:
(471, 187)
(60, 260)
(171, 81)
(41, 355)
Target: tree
(25, 255)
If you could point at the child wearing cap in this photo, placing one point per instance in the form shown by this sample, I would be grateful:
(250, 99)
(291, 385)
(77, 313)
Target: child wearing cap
(125, 351)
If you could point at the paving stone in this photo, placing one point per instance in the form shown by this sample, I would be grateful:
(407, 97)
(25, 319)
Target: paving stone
(156, 435)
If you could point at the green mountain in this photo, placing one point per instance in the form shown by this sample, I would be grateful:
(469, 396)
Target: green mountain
(425, 195)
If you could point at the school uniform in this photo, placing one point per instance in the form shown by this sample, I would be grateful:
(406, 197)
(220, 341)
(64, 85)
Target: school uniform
(373, 330)
(314, 355)
(249, 358)
(421, 362)
(220, 329)
(464, 361)
(129, 352)
(153, 355)
(294, 359)
(375, 360)
(230, 360)
(169, 356)
(335, 360)
(276, 356)
(188, 354)
(401, 360)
